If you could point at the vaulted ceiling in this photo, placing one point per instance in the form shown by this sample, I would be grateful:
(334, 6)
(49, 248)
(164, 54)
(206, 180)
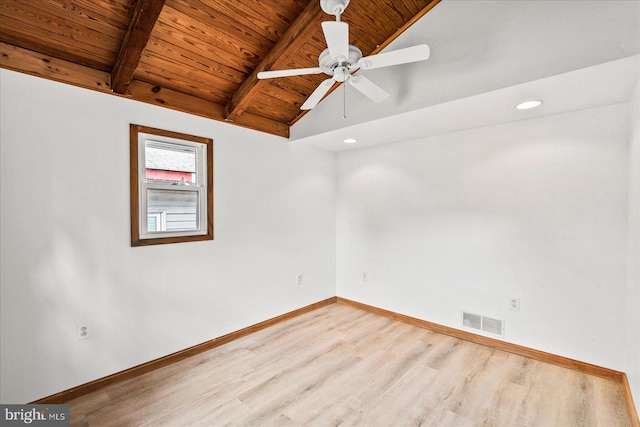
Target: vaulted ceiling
(486, 57)
(197, 56)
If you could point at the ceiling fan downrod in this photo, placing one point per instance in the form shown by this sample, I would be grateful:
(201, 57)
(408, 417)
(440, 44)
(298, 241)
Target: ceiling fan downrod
(334, 7)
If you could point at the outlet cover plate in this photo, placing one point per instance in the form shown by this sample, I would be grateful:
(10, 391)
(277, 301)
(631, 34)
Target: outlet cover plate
(83, 331)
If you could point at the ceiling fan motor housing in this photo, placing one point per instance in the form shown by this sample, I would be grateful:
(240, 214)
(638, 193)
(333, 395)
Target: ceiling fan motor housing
(329, 64)
(334, 7)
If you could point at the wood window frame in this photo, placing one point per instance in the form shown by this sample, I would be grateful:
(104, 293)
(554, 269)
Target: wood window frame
(135, 184)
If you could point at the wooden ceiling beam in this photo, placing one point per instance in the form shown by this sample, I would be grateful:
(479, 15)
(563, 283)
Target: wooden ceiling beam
(42, 65)
(163, 97)
(144, 17)
(290, 41)
(45, 66)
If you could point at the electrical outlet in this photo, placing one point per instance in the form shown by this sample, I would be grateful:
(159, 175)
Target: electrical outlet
(365, 276)
(83, 331)
(299, 280)
(514, 304)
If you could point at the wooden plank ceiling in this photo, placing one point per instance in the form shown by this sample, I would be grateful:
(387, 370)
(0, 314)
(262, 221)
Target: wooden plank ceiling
(197, 56)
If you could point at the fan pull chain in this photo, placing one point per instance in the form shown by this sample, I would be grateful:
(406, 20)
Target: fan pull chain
(344, 100)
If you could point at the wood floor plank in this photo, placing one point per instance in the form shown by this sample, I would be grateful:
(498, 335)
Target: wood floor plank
(339, 365)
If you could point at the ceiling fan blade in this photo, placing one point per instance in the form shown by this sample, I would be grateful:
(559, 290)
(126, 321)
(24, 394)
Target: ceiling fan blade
(401, 56)
(336, 33)
(368, 88)
(317, 94)
(288, 73)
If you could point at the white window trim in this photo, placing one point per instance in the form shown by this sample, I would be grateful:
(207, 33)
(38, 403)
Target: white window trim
(200, 186)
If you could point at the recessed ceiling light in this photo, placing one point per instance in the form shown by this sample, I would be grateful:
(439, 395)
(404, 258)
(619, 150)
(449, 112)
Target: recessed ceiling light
(350, 141)
(529, 104)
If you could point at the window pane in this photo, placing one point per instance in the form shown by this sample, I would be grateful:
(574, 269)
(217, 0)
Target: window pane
(180, 208)
(153, 223)
(170, 163)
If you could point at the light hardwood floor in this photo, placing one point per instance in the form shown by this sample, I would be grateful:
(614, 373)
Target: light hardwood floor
(339, 365)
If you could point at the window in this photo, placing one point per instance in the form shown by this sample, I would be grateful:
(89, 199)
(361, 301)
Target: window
(171, 187)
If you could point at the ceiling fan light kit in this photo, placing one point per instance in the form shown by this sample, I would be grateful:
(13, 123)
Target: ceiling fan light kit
(341, 59)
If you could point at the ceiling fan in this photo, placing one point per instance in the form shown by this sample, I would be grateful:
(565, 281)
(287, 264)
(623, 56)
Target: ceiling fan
(341, 59)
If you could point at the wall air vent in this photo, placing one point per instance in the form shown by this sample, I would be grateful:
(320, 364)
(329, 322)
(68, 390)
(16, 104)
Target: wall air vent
(483, 324)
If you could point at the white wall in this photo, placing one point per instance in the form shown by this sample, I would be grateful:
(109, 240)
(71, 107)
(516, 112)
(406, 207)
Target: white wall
(534, 209)
(632, 367)
(66, 255)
